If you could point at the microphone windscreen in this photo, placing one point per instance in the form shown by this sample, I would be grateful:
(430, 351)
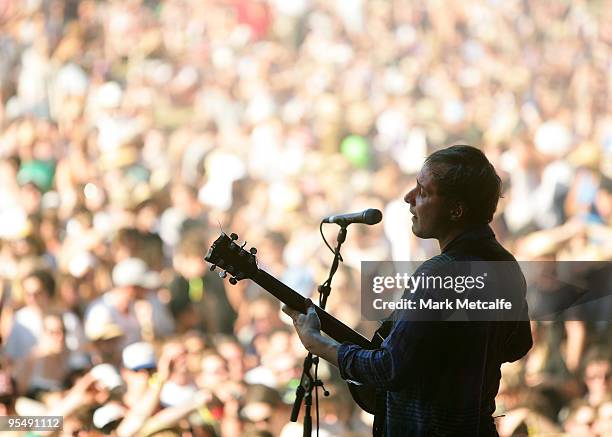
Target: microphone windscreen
(372, 216)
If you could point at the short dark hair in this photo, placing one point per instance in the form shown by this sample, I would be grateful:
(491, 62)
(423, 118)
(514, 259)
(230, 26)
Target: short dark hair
(46, 279)
(464, 173)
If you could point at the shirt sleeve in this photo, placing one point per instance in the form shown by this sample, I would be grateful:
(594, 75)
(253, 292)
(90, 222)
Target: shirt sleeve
(385, 367)
(19, 342)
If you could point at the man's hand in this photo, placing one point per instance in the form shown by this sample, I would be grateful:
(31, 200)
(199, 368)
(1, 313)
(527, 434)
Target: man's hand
(306, 325)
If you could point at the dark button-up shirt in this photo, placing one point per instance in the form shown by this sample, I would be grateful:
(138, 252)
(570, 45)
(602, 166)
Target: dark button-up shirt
(441, 378)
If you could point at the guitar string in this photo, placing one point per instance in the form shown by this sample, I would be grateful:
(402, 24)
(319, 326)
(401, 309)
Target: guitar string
(220, 226)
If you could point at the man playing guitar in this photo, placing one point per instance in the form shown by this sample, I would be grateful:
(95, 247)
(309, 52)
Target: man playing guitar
(437, 377)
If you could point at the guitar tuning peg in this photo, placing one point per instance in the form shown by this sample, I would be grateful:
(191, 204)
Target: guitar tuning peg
(233, 281)
(213, 267)
(223, 274)
(233, 236)
(253, 250)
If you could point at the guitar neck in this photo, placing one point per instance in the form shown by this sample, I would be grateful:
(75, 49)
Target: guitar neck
(329, 324)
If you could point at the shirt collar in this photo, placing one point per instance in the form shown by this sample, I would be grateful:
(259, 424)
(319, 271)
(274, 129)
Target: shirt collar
(479, 232)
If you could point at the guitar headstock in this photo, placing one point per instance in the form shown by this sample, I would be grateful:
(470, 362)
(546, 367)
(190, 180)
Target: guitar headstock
(232, 258)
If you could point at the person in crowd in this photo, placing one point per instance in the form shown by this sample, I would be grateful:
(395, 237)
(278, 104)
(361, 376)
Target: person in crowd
(8, 393)
(198, 297)
(597, 374)
(132, 303)
(47, 365)
(38, 288)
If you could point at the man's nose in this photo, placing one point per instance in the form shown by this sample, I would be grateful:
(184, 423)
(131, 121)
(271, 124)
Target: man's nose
(409, 197)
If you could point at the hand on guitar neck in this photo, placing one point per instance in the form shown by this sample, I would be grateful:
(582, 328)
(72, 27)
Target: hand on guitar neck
(308, 327)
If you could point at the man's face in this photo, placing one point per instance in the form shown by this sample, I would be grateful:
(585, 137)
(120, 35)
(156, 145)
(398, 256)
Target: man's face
(53, 334)
(137, 381)
(597, 376)
(214, 371)
(109, 350)
(34, 293)
(431, 211)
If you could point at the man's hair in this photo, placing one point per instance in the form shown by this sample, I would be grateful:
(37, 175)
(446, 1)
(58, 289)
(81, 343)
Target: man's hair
(595, 354)
(190, 245)
(464, 173)
(45, 277)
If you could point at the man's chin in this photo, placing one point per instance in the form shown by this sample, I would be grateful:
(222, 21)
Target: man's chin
(416, 231)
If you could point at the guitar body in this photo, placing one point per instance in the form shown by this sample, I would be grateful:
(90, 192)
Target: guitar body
(239, 263)
(365, 396)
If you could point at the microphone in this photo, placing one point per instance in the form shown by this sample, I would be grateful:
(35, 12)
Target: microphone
(368, 217)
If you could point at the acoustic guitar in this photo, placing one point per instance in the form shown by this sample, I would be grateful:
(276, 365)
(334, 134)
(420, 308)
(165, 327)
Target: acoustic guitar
(239, 264)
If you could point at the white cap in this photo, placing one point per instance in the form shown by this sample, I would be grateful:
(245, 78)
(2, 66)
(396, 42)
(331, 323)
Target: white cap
(134, 271)
(107, 375)
(29, 407)
(102, 331)
(108, 413)
(100, 326)
(72, 80)
(173, 394)
(109, 95)
(81, 263)
(261, 375)
(138, 356)
(553, 139)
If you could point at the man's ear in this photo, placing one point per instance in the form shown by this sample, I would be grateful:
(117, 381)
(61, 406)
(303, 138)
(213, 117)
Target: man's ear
(458, 211)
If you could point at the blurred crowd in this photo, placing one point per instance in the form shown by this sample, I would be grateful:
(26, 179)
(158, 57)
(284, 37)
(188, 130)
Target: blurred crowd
(133, 131)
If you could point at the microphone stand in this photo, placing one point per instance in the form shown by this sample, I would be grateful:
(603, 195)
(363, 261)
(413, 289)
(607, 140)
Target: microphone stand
(307, 381)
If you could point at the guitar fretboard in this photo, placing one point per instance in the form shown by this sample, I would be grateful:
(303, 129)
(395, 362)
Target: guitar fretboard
(329, 324)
